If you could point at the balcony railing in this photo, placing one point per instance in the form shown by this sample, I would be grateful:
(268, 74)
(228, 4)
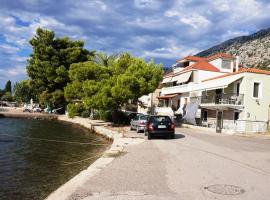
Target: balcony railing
(223, 99)
(178, 88)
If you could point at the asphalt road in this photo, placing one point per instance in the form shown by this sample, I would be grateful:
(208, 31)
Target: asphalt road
(195, 165)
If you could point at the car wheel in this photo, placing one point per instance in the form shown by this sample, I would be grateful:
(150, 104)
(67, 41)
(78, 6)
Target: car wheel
(149, 136)
(173, 136)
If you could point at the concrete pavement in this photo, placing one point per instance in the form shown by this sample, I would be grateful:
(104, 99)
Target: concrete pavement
(193, 166)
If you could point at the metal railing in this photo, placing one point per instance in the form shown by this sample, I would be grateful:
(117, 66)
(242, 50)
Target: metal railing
(224, 99)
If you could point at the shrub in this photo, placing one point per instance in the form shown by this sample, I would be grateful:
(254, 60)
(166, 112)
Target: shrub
(85, 113)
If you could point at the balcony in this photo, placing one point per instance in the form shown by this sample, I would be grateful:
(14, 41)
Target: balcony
(164, 111)
(178, 89)
(221, 101)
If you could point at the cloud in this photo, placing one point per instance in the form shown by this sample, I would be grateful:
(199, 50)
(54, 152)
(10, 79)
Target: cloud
(196, 21)
(164, 30)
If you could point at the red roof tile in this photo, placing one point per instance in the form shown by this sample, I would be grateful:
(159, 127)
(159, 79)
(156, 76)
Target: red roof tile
(192, 58)
(167, 96)
(241, 70)
(219, 55)
(202, 65)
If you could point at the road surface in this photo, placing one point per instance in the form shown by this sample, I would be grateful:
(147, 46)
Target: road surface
(193, 166)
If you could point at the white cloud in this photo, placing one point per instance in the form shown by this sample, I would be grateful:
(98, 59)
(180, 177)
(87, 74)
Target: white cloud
(196, 21)
(12, 73)
(147, 4)
(231, 34)
(7, 49)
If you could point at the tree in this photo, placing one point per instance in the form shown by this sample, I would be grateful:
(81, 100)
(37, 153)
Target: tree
(8, 87)
(49, 64)
(124, 80)
(7, 97)
(23, 92)
(103, 59)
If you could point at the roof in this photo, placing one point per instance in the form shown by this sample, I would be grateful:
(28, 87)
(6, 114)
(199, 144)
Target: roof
(220, 55)
(202, 65)
(241, 70)
(192, 58)
(167, 96)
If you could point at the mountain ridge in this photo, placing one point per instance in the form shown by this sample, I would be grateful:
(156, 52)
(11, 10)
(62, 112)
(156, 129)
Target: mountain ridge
(253, 50)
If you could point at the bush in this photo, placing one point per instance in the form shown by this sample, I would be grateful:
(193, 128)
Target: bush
(74, 109)
(85, 113)
(103, 115)
(117, 117)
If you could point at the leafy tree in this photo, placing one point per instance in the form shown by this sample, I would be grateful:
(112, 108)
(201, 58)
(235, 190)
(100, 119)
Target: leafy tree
(23, 91)
(7, 97)
(8, 87)
(124, 80)
(103, 59)
(49, 64)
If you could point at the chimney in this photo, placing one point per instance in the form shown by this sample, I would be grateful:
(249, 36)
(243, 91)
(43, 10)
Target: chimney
(237, 64)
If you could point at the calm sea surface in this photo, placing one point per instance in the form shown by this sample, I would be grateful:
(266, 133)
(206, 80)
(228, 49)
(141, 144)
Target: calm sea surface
(38, 156)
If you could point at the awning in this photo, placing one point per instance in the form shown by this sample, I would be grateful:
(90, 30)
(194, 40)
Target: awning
(182, 78)
(219, 83)
(167, 80)
(167, 96)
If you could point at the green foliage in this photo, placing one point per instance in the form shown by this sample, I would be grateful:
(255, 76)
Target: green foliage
(103, 59)
(265, 65)
(8, 87)
(49, 64)
(85, 113)
(23, 92)
(7, 97)
(74, 109)
(110, 87)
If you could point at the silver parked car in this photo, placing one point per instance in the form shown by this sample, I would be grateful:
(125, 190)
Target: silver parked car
(138, 123)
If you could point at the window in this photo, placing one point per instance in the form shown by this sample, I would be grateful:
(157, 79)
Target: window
(205, 115)
(237, 89)
(236, 116)
(226, 64)
(256, 89)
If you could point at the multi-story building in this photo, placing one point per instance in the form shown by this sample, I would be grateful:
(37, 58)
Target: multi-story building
(216, 93)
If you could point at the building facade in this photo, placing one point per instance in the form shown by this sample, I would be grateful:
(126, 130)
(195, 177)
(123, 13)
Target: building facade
(214, 92)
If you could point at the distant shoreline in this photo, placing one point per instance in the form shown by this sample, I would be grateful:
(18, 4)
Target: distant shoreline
(18, 113)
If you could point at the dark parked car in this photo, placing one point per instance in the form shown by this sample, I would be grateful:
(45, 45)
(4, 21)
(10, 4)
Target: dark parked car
(160, 126)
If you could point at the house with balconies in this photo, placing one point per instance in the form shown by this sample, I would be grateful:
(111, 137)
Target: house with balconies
(214, 92)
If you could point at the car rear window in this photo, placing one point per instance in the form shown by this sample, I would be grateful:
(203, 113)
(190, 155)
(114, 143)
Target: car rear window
(161, 119)
(144, 117)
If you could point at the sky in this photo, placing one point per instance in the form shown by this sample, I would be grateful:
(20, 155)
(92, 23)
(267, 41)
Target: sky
(165, 30)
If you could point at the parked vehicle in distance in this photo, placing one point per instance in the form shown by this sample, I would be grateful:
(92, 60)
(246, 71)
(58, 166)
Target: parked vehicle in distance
(138, 123)
(160, 126)
(59, 111)
(27, 110)
(37, 109)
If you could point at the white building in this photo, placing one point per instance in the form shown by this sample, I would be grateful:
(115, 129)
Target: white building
(214, 92)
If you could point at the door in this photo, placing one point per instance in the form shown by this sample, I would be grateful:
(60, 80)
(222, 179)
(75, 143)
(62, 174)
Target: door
(218, 96)
(219, 125)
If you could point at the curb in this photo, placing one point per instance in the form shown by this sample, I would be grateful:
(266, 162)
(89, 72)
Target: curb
(117, 147)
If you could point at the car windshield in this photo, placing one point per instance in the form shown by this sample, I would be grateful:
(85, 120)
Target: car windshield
(143, 117)
(161, 119)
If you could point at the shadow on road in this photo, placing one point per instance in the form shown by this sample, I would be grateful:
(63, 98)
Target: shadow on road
(179, 136)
